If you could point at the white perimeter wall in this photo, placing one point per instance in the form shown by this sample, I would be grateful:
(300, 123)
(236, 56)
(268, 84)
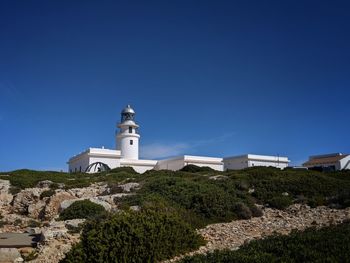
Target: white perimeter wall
(267, 164)
(177, 163)
(170, 164)
(139, 166)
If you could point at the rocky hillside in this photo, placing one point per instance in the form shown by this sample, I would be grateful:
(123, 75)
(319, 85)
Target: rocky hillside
(227, 208)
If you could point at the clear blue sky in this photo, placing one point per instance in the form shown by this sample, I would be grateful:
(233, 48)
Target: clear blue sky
(215, 78)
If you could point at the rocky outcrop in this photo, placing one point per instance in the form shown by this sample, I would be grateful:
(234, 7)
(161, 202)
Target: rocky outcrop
(25, 198)
(53, 205)
(234, 234)
(128, 187)
(36, 209)
(87, 192)
(5, 196)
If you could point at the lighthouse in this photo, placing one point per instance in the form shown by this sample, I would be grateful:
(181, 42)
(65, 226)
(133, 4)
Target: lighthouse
(127, 138)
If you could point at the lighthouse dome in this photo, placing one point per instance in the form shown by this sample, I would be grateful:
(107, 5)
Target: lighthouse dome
(128, 109)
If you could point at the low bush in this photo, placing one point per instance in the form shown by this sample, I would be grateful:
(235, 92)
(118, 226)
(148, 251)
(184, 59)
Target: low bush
(206, 201)
(280, 202)
(47, 193)
(195, 169)
(329, 244)
(145, 236)
(82, 209)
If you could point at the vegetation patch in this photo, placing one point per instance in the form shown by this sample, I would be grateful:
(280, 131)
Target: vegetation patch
(47, 193)
(145, 236)
(82, 209)
(329, 244)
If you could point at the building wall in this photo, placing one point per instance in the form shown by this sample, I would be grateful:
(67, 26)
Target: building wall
(345, 163)
(235, 163)
(139, 166)
(112, 162)
(79, 164)
(281, 165)
(170, 164)
(177, 163)
(250, 160)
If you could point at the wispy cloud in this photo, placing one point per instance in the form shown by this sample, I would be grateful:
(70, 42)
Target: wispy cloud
(162, 150)
(158, 150)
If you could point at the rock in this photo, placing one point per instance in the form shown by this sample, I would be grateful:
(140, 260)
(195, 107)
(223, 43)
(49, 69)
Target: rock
(218, 177)
(5, 196)
(128, 187)
(251, 190)
(54, 233)
(135, 208)
(285, 194)
(53, 206)
(33, 230)
(74, 223)
(18, 260)
(106, 205)
(26, 251)
(25, 198)
(87, 192)
(61, 185)
(44, 184)
(36, 210)
(9, 255)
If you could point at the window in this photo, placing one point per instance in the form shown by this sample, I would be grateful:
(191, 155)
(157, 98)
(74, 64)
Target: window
(131, 142)
(130, 129)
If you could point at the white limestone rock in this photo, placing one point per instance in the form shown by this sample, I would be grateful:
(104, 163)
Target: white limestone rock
(25, 198)
(128, 187)
(9, 254)
(74, 223)
(5, 196)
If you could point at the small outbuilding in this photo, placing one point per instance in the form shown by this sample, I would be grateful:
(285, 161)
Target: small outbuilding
(329, 162)
(252, 160)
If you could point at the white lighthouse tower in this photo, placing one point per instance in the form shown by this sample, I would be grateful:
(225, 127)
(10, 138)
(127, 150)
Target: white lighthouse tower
(127, 138)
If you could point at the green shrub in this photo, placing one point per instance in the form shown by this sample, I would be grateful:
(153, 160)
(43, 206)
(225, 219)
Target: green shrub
(280, 202)
(195, 169)
(329, 244)
(256, 211)
(207, 200)
(242, 211)
(146, 236)
(82, 209)
(47, 193)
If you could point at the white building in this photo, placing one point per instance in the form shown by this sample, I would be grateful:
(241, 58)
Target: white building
(251, 160)
(178, 162)
(334, 161)
(127, 155)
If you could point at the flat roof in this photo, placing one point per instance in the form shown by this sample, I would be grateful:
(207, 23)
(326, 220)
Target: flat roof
(258, 157)
(100, 152)
(324, 160)
(193, 158)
